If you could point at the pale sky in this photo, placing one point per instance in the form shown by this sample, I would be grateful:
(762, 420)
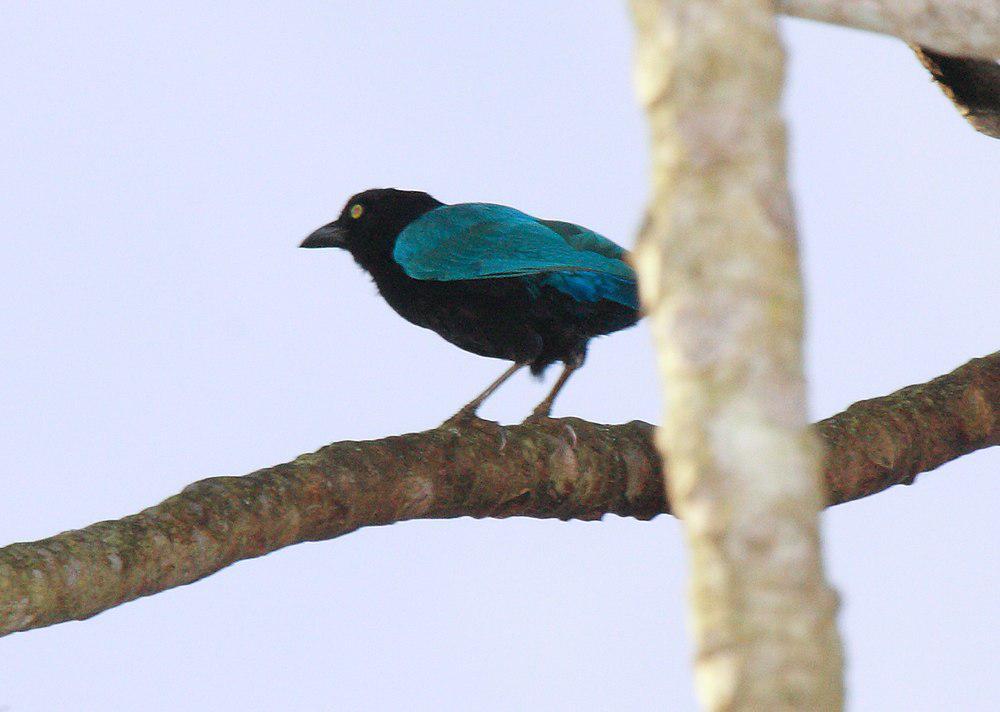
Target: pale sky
(161, 163)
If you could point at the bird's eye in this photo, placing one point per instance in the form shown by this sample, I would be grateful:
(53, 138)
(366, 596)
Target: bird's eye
(356, 211)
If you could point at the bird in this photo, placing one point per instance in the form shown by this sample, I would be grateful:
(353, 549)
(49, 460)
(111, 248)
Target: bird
(490, 279)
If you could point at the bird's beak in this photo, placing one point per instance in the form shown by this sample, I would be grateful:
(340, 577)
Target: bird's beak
(331, 235)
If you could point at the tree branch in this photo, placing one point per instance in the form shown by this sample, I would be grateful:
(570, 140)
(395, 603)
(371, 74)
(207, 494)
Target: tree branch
(958, 41)
(886, 441)
(963, 28)
(719, 278)
(972, 85)
(565, 469)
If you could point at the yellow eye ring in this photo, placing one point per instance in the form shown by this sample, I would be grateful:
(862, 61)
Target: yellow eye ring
(356, 211)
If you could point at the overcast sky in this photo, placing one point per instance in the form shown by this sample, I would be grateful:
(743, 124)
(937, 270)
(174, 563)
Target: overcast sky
(160, 165)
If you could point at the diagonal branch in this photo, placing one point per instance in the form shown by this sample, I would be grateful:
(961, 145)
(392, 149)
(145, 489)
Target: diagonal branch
(887, 441)
(964, 28)
(957, 41)
(972, 85)
(564, 469)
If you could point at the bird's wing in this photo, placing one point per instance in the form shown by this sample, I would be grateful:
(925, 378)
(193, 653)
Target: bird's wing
(480, 241)
(581, 238)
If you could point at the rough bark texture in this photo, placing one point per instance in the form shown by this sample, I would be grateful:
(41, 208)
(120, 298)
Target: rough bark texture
(890, 440)
(565, 469)
(964, 28)
(973, 85)
(719, 279)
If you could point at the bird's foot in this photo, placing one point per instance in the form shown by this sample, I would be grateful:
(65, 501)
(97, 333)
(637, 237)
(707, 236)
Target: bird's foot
(557, 426)
(539, 416)
(465, 420)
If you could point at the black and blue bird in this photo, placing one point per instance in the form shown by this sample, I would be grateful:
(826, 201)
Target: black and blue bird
(490, 279)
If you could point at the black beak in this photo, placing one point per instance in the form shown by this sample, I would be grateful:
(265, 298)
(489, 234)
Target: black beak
(331, 235)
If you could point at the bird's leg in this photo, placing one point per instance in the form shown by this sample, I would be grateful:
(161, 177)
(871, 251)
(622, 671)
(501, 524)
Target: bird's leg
(543, 409)
(468, 411)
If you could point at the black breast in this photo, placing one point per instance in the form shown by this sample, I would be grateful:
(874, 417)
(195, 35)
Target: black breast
(510, 318)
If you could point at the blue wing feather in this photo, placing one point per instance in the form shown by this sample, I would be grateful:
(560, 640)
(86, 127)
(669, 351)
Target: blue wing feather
(480, 241)
(581, 238)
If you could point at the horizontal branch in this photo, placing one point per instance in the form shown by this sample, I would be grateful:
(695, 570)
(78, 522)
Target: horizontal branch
(962, 28)
(565, 469)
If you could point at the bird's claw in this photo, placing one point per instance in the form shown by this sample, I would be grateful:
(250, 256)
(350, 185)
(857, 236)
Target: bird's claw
(465, 420)
(462, 419)
(565, 430)
(538, 417)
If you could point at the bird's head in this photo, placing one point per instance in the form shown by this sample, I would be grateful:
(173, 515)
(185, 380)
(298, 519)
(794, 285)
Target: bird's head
(370, 222)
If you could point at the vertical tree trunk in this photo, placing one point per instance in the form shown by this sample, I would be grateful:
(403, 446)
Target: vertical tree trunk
(719, 277)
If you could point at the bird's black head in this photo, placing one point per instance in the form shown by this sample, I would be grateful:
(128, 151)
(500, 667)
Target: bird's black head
(370, 222)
